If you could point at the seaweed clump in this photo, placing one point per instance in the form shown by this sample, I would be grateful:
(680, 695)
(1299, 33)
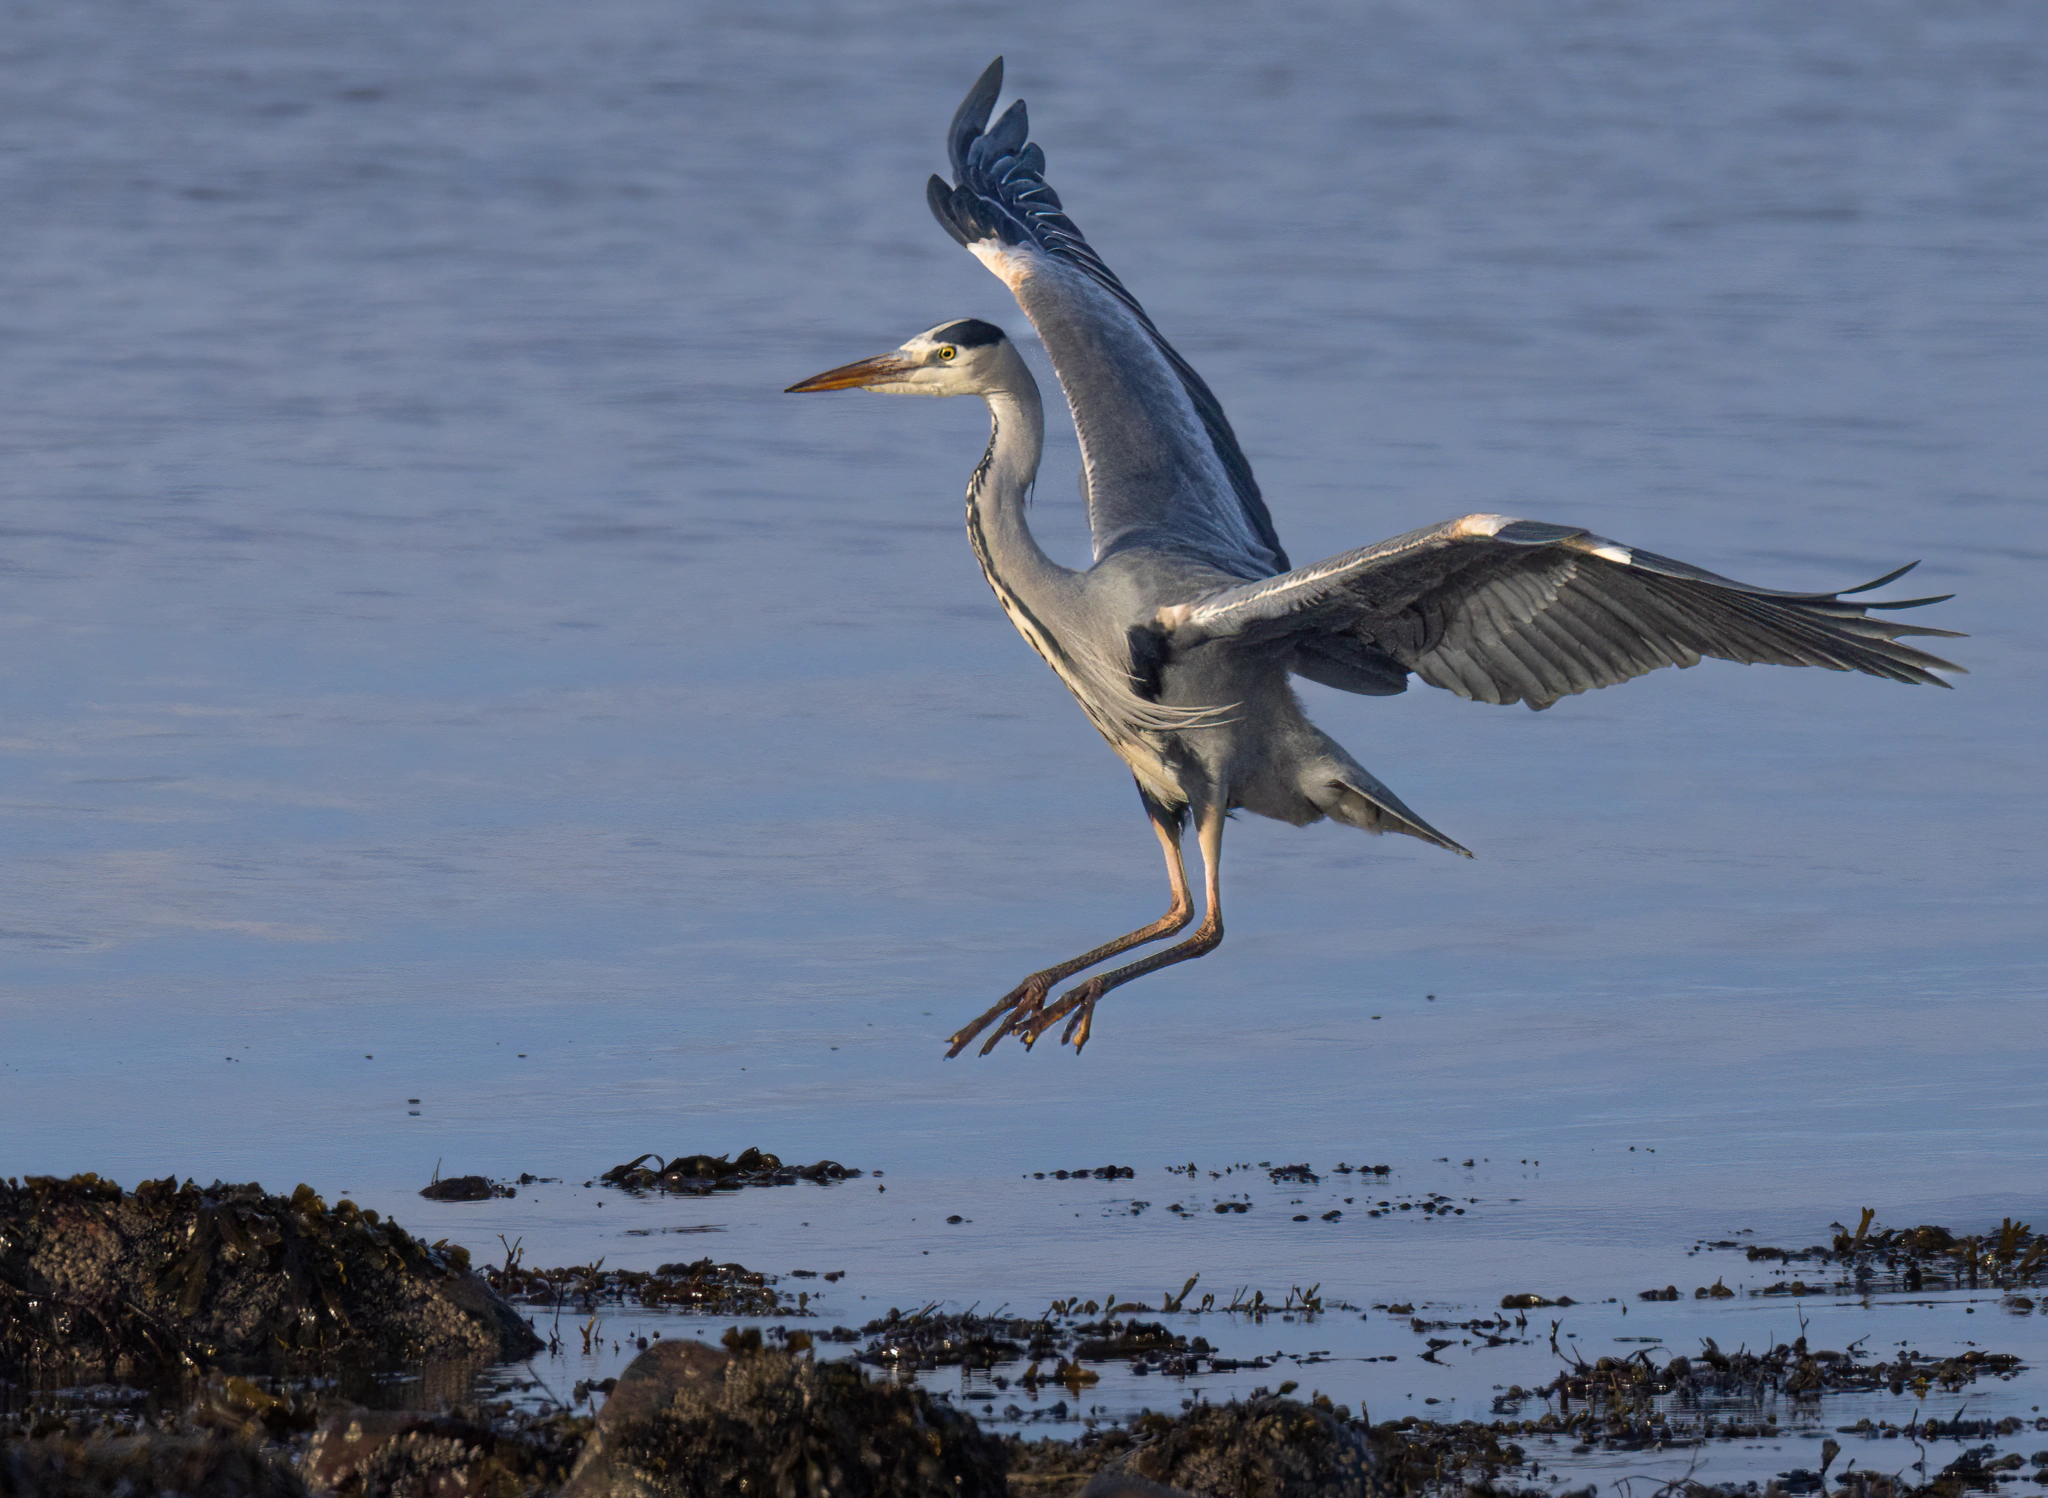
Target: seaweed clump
(1869, 1257)
(1263, 1445)
(700, 1175)
(707, 1286)
(174, 1278)
(1630, 1404)
(922, 1340)
(1266, 1446)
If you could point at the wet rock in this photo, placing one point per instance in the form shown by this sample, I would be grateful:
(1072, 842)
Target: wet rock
(391, 1451)
(170, 1277)
(1128, 1485)
(1264, 1447)
(700, 1175)
(1413, 1455)
(412, 1454)
(687, 1419)
(464, 1189)
(215, 1463)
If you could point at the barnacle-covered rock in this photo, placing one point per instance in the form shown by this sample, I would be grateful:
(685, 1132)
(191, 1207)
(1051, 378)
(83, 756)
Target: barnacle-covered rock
(219, 1464)
(169, 1276)
(460, 1454)
(686, 1419)
(1262, 1447)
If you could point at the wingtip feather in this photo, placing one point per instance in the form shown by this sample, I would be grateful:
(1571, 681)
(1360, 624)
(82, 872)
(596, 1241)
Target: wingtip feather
(939, 197)
(1891, 576)
(971, 117)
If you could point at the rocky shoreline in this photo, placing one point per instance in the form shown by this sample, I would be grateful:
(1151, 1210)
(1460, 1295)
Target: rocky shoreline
(225, 1340)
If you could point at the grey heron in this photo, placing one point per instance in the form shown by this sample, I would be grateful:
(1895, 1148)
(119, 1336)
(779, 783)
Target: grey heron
(1179, 641)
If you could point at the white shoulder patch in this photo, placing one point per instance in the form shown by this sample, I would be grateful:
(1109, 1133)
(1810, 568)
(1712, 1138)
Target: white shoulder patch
(1008, 266)
(1480, 525)
(1601, 547)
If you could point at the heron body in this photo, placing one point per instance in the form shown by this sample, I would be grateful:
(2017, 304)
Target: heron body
(1180, 640)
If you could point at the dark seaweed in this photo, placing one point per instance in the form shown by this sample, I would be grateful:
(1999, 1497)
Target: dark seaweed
(700, 1175)
(171, 1277)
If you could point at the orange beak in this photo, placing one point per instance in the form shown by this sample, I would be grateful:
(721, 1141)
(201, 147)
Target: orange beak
(879, 370)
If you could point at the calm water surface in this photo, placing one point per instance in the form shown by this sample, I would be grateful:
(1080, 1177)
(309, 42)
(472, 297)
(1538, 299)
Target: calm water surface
(439, 664)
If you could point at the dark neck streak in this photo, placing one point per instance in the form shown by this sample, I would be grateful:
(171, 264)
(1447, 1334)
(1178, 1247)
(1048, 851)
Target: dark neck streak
(1022, 577)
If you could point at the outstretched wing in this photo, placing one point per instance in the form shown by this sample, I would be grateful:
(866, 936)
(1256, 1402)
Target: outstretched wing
(1162, 467)
(1503, 610)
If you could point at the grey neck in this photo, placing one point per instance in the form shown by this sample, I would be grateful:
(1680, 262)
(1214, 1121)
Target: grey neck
(1010, 557)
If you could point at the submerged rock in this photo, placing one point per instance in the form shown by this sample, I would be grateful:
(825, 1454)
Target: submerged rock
(687, 1419)
(464, 1189)
(171, 1277)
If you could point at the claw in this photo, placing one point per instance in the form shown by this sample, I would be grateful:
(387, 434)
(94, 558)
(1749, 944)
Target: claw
(1020, 1003)
(965, 1035)
(1078, 1027)
(1018, 1015)
(1047, 1018)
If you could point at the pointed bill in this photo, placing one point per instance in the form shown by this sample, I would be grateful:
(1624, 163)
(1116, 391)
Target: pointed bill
(880, 370)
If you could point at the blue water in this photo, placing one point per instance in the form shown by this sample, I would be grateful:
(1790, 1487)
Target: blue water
(430, 637)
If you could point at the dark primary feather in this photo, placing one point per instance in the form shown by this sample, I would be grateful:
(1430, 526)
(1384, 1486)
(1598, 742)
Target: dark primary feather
(1533, 612)
(1001, 192)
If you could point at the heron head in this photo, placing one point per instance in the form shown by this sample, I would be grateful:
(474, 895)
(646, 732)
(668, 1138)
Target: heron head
(955, 358)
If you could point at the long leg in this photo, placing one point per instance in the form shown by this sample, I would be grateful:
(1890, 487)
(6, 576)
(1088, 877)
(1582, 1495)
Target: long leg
(1080, 1001)
(1028, 997)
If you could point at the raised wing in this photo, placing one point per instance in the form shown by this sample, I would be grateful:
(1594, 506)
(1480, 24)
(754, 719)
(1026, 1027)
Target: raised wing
(1161, 465)
(1503, 610)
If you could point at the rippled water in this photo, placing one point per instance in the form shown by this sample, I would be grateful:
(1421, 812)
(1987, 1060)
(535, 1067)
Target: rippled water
(439, 664)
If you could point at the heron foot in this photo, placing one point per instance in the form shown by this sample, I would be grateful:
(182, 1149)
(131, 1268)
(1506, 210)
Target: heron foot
(1020, 1004)
(1079, 1002)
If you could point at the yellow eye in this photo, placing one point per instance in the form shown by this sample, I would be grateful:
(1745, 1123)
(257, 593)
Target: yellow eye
(948, 352)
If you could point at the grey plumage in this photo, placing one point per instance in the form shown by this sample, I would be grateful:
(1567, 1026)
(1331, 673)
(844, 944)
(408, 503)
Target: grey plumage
(1180, 640)
(1147, 469)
